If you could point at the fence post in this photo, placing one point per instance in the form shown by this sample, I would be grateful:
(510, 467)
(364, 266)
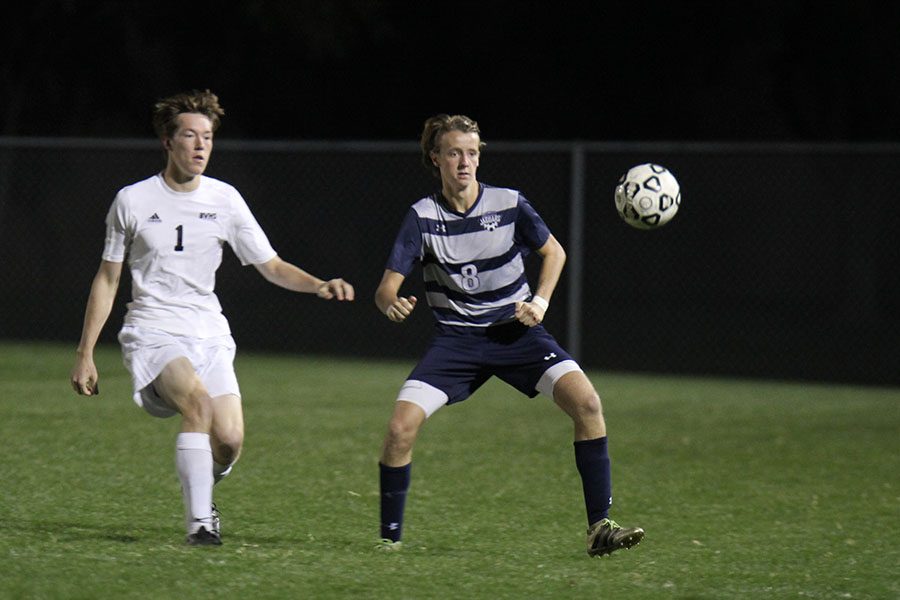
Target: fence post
(575, 250)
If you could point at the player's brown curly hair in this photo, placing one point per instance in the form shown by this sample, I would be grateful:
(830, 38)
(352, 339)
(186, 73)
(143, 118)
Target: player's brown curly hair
(437, 126)
(165, 110)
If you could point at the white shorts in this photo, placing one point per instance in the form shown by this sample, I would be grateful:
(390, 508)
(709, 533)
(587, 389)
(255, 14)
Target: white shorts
(147, 351)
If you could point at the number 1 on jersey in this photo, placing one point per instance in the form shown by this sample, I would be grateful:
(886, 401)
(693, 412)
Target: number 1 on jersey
(178, 246)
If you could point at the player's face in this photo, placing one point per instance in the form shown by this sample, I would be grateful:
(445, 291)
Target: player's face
(457, 158)
(190, 146)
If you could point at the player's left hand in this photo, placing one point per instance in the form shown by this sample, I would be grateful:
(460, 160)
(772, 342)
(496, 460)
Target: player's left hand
(84, 378)
(337, 289)
(529, 313)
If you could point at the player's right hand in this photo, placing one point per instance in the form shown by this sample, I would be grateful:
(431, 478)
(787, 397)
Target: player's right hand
(402, 308)
(336, 288)
(84, 378)
(529, 313)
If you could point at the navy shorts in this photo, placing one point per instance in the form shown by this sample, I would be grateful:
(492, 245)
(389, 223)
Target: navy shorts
(460, 359)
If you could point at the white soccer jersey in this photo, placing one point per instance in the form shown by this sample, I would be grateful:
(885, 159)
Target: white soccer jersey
(173, 241)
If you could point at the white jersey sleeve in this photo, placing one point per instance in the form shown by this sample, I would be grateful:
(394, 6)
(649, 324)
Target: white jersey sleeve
(118, 225)
(247, 238)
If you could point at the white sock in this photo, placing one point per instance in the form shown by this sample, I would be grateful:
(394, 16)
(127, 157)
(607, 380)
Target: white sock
(220, 472)
(193, 459)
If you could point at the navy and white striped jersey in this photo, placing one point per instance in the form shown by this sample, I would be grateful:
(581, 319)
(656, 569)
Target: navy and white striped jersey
(472, 262)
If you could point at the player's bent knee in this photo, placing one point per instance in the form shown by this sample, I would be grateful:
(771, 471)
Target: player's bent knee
(402, 431)
(590, 406)
(227, 455)
(228, 444)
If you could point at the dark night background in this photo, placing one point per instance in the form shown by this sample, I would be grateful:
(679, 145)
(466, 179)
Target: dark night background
(764, 71)
(782, 261)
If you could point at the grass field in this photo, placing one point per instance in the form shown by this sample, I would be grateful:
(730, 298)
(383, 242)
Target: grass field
(746, 489)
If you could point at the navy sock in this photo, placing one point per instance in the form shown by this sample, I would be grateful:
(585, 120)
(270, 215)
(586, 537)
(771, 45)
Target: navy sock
(394, 483)
(592, 460)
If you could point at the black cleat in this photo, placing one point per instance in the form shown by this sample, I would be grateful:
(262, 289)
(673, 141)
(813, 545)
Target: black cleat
(204, 537)
(606, 536)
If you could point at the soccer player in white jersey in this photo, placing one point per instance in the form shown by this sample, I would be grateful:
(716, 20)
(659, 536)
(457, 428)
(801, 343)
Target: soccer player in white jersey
(175, 340)
(471, 240)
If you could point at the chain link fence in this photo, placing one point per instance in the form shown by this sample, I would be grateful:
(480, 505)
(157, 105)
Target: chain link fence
(783, 262)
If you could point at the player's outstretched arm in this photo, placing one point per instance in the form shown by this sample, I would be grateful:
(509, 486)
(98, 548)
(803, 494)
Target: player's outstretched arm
(84, 377)
(292, 277)
(394, 307)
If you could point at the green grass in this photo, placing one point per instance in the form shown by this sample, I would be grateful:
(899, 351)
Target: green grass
(747, 489)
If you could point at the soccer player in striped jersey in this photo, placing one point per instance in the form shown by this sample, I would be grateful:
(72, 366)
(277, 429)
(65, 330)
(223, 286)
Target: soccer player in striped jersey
(471, 240)
(175, 341)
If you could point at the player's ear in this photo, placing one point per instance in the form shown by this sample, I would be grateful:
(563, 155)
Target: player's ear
(167, 143)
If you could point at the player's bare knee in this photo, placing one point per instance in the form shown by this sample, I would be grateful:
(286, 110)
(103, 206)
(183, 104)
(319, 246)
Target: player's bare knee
(232, 437)
(590, 406)
(226, 454)
(227, 444)
(582, 404)
(401, 434)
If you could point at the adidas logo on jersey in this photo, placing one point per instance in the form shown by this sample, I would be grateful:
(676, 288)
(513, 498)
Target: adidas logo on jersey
(154, 219)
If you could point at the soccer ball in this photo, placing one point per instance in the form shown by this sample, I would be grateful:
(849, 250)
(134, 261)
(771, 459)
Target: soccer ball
(647, 196)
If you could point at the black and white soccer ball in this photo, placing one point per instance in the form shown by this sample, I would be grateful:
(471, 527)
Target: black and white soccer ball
(647, 196)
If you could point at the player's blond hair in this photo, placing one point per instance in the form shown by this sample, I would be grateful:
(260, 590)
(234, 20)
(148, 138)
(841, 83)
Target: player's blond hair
(166, 110)
(437, 126)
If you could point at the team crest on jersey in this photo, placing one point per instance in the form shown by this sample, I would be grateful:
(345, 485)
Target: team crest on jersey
(490, 221)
